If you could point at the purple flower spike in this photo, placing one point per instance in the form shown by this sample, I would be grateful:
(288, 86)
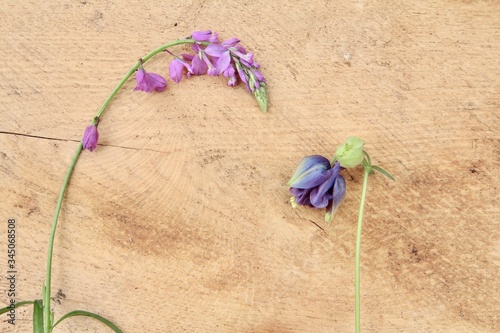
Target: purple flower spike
(317, 184)
(90, 137)
(149, 81)
(202, 36)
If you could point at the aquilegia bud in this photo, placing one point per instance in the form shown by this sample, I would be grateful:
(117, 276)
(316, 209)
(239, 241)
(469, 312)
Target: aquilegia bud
(350, 153)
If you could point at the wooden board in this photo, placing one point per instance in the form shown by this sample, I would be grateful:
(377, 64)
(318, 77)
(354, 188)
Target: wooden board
(180, 220)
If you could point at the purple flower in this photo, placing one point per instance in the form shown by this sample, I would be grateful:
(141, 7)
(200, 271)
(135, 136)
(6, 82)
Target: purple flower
(201, 63)
(90, 137)
(176, 67)
(202, 36)
(149, 81)
(317, 184)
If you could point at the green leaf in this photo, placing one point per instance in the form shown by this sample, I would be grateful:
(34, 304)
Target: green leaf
(89, 314)
(16, 305)
(38, 316)
(382, 171)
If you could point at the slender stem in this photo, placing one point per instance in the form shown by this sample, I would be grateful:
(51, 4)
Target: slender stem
(46, 289)
(47, 322)
(358, 248)
(136, 66)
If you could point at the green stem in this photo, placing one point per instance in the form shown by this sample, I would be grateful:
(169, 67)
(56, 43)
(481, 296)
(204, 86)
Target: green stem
(136, 66)
(46, 289)
(47, 322)
(358, 248)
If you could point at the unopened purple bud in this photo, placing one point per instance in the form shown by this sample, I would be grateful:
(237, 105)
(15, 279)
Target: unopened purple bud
(90, 137)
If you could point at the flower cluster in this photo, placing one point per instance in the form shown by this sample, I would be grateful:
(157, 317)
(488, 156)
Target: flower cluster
(318, 183)
(210, 57)
(213, 58)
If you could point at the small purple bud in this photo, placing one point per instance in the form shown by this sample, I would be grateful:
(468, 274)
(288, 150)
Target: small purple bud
(90, 137)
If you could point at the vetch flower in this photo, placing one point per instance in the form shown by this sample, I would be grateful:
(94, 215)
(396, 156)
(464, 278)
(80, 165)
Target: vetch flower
(176, 68)
(202, 36)
(351, 152)
(90, 137)
(317, 184)
(201, 63)
(149, 81)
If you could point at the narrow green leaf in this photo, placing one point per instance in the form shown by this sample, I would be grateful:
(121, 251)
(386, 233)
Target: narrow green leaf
(16, 305)
(38, 316)
(382, 171)
(89, 314)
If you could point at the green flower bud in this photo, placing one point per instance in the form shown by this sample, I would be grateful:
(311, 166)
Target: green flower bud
(350, 153)
(261, 96)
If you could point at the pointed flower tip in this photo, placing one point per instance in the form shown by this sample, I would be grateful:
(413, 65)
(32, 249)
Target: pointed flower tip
(261, 96)
(350, 153)
(90, 137)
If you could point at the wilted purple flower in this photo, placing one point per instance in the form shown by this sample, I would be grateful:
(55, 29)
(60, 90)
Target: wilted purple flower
(176, 67)
(90, 137)
(149, 81)
(317, 184)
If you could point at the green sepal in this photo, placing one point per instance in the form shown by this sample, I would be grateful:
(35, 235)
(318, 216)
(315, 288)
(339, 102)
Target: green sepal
(382, 171)
(91, 315)
(38, 316)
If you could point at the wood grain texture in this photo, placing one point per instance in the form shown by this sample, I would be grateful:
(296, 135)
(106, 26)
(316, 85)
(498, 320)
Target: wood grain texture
(180, 221)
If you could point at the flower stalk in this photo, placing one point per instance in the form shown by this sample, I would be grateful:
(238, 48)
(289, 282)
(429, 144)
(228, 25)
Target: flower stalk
(43, 320)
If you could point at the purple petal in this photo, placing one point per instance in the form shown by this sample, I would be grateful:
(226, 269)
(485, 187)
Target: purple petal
(212, 71)
(215, 50)
(223, 62)
(301, 196)
(90, 137)
(231, 42)
(310, 172)
(201, 36)
(258, 75)
(199, 66)
(214, 38)
(187, 57)
(156, 82)
(149, 81)
(321, 195)
(339, 190)
(175, 70)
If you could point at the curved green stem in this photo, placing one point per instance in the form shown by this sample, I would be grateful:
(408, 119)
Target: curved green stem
(358, 247)
(136, 66)
(47, 321)
(46, 287)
